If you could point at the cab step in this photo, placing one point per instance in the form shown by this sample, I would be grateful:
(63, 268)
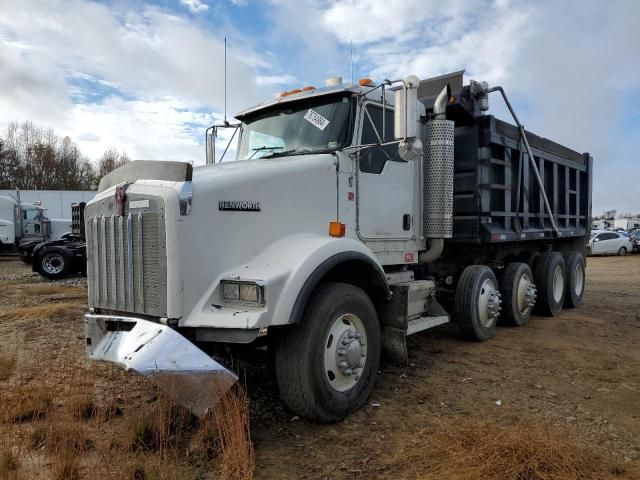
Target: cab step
(424, 323)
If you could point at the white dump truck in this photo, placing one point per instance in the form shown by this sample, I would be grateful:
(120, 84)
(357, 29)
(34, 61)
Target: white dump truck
(353, 216)
(25, 225)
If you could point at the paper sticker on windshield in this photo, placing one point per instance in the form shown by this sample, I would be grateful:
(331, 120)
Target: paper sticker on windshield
(315, 119)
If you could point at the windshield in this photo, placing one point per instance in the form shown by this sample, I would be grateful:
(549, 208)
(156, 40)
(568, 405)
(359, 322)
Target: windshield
(320, 124)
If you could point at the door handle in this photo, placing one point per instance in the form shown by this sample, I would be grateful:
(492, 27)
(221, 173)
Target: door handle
(406, 222)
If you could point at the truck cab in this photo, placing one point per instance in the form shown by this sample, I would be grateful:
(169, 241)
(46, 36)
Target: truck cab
(331, 237)
(22, 225)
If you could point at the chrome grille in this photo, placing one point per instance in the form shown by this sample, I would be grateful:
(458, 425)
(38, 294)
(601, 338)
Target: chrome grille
(127, 266)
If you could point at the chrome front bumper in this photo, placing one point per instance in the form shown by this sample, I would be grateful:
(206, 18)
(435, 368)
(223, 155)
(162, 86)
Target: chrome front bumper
(159, 352)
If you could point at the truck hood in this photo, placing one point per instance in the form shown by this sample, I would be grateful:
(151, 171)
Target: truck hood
(240, 208)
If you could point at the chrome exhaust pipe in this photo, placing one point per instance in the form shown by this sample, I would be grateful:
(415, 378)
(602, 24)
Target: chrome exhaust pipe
(440, 104)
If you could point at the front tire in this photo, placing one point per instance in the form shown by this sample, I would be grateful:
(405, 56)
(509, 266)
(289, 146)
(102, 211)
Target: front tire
(622, 252)
(326, 365)
(576, 279)
(477, 303)
(549, 275)
(518, 294)
(54, 263)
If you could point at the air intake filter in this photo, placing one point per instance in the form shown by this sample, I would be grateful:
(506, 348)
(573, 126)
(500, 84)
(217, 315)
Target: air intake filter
(438, 179)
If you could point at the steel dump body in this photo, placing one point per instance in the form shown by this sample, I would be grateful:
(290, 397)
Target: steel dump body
(496, 195)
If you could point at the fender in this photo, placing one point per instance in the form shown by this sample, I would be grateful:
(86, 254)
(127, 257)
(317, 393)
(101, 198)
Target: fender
(291, 268)
(318, 274)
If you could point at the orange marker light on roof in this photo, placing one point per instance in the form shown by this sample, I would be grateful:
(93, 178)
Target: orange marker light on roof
(337, 229)
(308, 88)
(366, 82)
(293, 92)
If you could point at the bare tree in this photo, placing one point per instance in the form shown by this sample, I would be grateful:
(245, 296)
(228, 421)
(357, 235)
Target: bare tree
(37, 159)
(111, 159)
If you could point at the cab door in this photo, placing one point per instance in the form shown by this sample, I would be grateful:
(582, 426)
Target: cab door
(385, 190)
(31, 222)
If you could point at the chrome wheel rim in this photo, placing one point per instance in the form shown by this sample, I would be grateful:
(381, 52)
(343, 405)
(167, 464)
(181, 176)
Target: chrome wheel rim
(579, 285)
(488, 303)
(53, 263)
(345, 352)
(526, 294)
(558, 284)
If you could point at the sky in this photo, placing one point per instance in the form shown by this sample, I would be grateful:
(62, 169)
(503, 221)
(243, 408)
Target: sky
(148, 77)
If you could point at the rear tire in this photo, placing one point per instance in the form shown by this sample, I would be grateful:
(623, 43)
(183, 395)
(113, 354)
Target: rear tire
(54, 263)
(477, 303)
(327, 364)
(549, 275)
(576, 279)
(622, 252)
(518, 294)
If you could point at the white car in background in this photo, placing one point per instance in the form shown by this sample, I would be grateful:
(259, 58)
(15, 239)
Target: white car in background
(606, 242)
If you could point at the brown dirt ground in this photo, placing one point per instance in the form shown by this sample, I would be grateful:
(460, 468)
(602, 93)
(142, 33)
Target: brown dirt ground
(579, 371)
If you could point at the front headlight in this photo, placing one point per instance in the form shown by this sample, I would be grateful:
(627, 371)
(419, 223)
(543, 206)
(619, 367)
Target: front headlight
(245, 292)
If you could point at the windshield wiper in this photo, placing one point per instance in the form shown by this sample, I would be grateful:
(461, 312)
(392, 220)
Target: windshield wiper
(262, 148)
(280, 154)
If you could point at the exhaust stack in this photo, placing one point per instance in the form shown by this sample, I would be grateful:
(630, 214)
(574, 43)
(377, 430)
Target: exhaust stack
(438, 171)
(437, 209)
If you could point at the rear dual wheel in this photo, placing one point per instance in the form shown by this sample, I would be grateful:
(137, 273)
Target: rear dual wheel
(549, 274)
(54, 263)
(477, 303)
(576, 279)
(518, 294)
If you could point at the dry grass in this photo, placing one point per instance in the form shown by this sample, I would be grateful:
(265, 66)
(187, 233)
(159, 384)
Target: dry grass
(162, 427)
(65, 290)
(42, 311)
(7, 365)
(81, 405)
(470, 449)
(9, 464)
(230, 423)
(30, 402)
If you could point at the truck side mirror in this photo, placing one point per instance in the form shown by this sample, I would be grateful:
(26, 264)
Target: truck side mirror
(406, 119)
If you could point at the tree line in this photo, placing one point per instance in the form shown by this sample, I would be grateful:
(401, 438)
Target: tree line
(34, 158)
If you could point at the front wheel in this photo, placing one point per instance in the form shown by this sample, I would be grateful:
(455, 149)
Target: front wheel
(54, 263)
(326, 365)
(622, 252)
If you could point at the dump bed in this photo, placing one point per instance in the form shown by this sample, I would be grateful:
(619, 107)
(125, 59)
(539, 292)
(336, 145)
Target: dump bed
(496, 194)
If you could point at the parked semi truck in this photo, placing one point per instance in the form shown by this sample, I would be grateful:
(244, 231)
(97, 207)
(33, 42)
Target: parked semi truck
(354, 216)
(25, 225)
(56, 259)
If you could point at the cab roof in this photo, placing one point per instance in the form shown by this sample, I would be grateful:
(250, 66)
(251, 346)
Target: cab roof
(371, 92)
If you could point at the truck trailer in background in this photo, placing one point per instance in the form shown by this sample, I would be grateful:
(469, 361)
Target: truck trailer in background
(354, 216)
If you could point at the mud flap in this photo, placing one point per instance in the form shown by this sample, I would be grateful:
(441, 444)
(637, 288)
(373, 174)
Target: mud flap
(187, 374)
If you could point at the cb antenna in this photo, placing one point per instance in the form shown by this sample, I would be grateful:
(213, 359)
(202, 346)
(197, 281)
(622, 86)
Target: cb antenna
(225, 82)
(351, 57)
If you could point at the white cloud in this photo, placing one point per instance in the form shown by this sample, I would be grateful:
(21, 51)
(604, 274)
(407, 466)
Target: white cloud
(195, 6)
(158, 129)
(159, 72)
(570, 67)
